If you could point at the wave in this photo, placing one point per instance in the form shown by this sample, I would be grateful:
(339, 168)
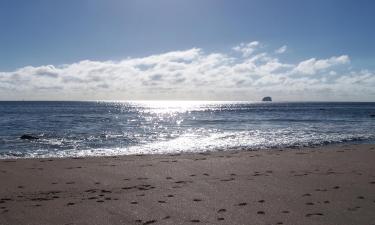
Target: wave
(198, 142)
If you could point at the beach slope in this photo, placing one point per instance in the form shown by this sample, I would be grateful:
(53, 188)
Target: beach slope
(323, 185)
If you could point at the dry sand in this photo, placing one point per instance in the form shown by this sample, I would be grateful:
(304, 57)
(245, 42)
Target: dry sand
(326, 185)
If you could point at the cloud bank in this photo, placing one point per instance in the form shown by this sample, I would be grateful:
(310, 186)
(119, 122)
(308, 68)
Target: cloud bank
(247, 72)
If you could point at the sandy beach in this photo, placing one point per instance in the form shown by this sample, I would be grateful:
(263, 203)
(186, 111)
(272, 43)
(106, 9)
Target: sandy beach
(324, 185)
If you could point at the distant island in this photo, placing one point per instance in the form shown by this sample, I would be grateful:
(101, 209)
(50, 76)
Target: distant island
(267, 99)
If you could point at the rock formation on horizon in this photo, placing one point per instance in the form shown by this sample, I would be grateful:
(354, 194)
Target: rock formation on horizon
(267, 99)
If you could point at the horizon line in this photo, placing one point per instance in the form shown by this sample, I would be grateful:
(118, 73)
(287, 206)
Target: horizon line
(187, 100)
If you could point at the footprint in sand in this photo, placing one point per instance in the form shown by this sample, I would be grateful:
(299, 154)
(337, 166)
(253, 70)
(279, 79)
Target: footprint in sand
(221, 210)
(149, 222)
(39, 199)
(195, 221)
(220, 218)
(242, 204)
(5, 210)
(261, 201)
(197, 200)
(90, 191)
(230, 179)
(261, 213)
(314, 214)
(181, 182)
(127, 188)
(70, 204)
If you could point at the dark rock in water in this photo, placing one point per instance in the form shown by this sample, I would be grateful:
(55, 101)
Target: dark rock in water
(267, 99)
(28, 137)
(373, 115)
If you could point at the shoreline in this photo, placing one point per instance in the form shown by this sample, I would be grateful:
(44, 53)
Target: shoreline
(333, 184)
(220, 150)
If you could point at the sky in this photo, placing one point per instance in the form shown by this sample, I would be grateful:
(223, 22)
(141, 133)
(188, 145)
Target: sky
(292, 50)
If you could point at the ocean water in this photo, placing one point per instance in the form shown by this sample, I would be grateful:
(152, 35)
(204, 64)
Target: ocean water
(71, 129)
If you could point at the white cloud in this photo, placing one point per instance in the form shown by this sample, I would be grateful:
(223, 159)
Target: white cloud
(281, 50)
(332, 73)
(192, 74)
(312, 66)
(246, 48)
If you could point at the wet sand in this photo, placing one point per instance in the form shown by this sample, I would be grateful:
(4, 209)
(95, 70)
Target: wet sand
(325, 185)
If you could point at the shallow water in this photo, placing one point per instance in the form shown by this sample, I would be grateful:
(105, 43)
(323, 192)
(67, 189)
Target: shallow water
(115, 128)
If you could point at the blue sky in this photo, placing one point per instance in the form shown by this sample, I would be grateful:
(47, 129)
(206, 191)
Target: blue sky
(56, 32)
(40, 33)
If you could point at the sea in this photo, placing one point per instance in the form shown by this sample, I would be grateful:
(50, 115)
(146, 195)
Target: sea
(108, 128)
